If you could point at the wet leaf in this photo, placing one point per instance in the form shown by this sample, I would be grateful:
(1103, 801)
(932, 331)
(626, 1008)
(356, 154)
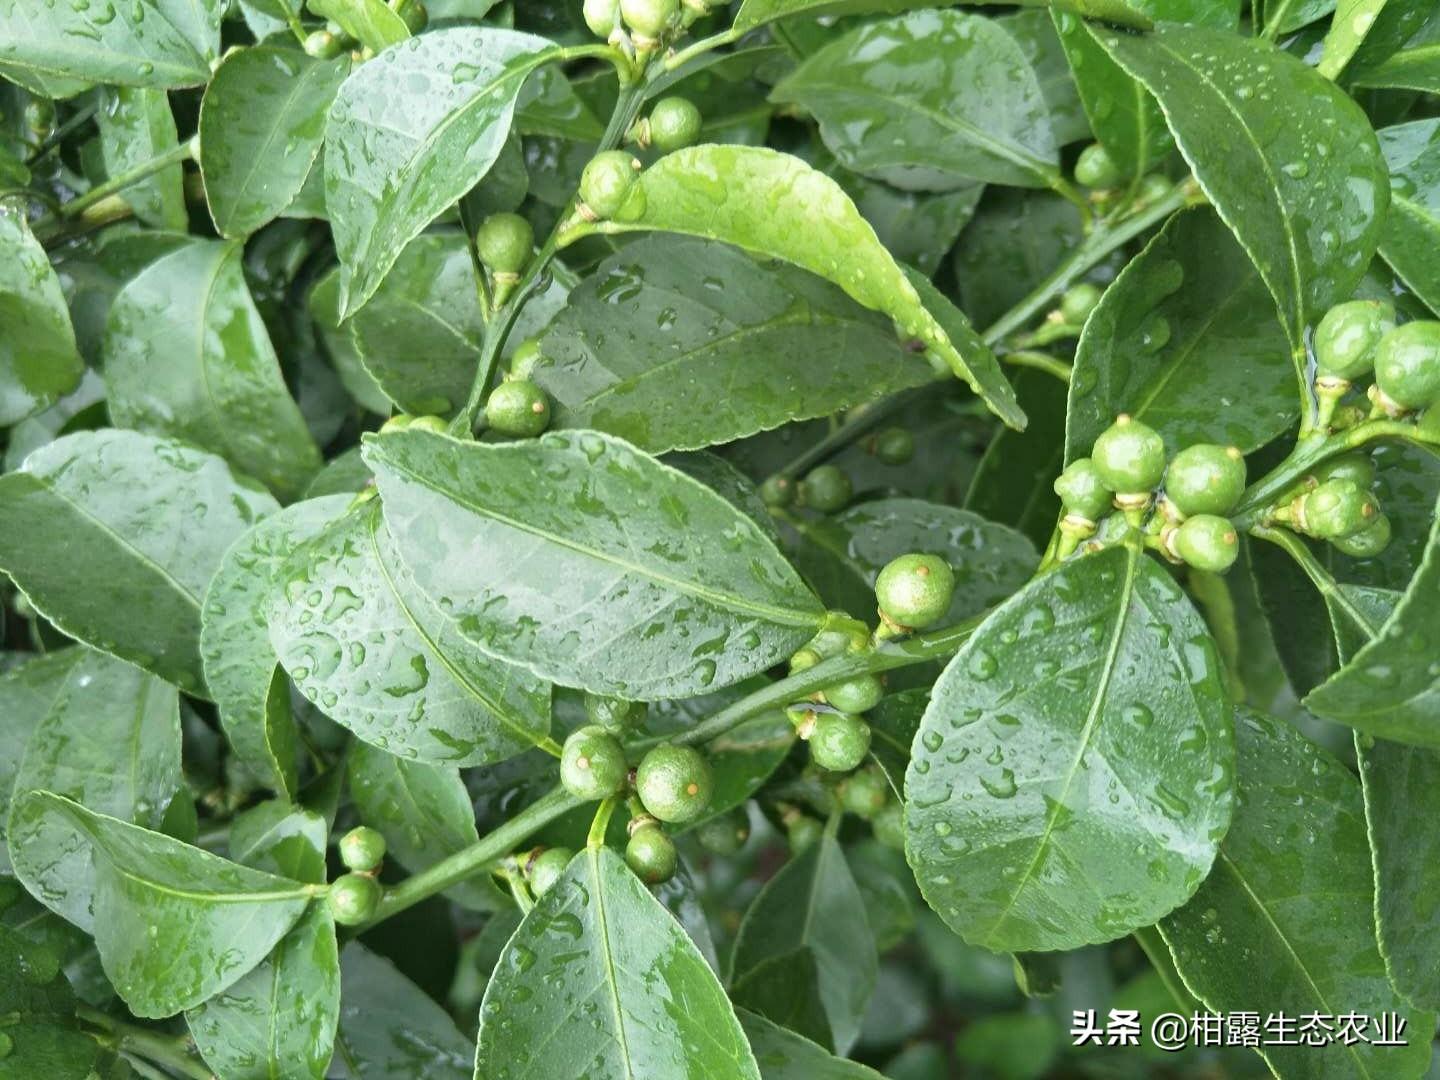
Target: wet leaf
(600, 977)
(1072, 778)
(38, 359)
(758, 12)
(1290, 894)
(372, 22)
(390, 1028)
(1412, 228)
(187, 354)
(95, 528)
(135, 126)
(262, 122)
(676, 343)
(681, 594)
(241, 668)
(410, 134)
(784, 1055)
(281, 839)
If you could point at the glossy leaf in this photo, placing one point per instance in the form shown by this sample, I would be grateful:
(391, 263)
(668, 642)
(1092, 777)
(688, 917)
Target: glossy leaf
(1034, 31)
(374, 23)
(186, 354)
(240, 664)
(280, 1019)
(757, 199)
(389, 1027)
(1269, 928)
(1400, 785)
(38, 359)
(1013, 480)
(262, 122)
(784, 1055)
(926, 97)
(755, 13)
(423, 811)
(644, 615)
(136, 125)
(281, 839)
(1012, 244)
(1390, 687)
(1289, 162)
(676, 343)
(601, 978)
(154, 43)
(410, 134)
(222, 917)
(812, 906)
(1187, 340)
(419, 336)
(340, 346)
(1071, 780)
(96, 528)
(27, 693)
(1353, 20)
(1412, 228)
(42, 1035)
(847, 551)
(366, 646)
(1416, 67)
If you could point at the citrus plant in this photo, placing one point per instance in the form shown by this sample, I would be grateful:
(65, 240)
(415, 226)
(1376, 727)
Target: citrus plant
(664, 538)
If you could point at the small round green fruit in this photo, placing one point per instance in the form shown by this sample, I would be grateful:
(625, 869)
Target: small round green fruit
(777, 491)
(615, 715)
(608, 181)
(518, 408)
(1082, 492)
(1346, 339)
(362, 849)
(675, 123)
(545, 869)
(592, 764)
(1335, 509)
(914, 591)
(1367, 542)
(1129, 456)
(724, 834)
(1206, 479)
(895, 446)
(675, 783)
(1078, 302)
(865, 793)
(1207, 542)
(648, 19)
(826, 488)
(1407, 364)
(1095, 168)
(838, 741)
(353, 898)
(651, 854)
(857, 695)
(505, 243)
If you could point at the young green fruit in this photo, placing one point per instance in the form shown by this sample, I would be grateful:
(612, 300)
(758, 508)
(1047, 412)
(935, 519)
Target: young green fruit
(416, 17)
(826, 488)
(614, 714)
(505, 243)
(1154, 187)
(602, 17)
(1367, 542)
(838, 741)
(725, 834)
(429, 423)
(322, 45)
(1346, 339)
(592, 763)
(801, 832)
(353, 898)
(889, 826)
(1335, 509)
(518, 408)
(895, 446)
(1078, 302)
(607, 182)
(545, 869)
(914, 591)
(675, 783)
(865, 793)
(1081, 490)
(526, 358)
(674, 124)
(1129, 457)
(1356, 466)
(362, 849)
(856, 695)
(777, 491)
(651, 854)
(1096, 169)
(1206, 479)
(1206, 542)
(1407, 364)
(648, 19)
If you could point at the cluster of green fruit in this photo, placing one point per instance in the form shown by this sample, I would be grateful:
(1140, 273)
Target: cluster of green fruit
(1125, 471)
(827, 488)
(1360, 338)
(1097, 170)
(1334, 502)
(330, 42)
(649, 22)
(354, 896)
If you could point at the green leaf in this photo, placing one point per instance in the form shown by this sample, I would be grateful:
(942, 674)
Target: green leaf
(373, 22)
(222, 918)
(812, 906)
(262, 122)
(1290, 895)
(670, 590)
(1286, 16)
(757, 199)
(848, 550)
(281, 839)
(1391, 686)
(601, 978)
(1412, 228)
(677, 343)
(1186, 339)
(155, 43)
(410, 134)
(98, 529)
(784, 1055)
(1015, 240)
(1277, 149)
(755, 13)
(38, 359)
(926, 97)
(136, 125)
(366, 646)
(42, 1036)
(1047, 806)
(419, 336)
(27, 693)
(1416, 67)
(424, 813)
(1034, 31)
(1012, 482)
(1353, 20)
(1398, 26)
(187, 354)
(389, 1027)
(280, 1019)
(1401, 785)
(339, 342)
(240, 663)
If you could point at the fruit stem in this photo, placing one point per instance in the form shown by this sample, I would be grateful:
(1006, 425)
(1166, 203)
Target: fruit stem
(598, 827)
(173, 1052)
(1040, 361)
(704, 45)
(185, 151)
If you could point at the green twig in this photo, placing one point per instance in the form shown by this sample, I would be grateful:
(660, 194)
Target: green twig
(1040, 361)
(174, 1052)
(182, 152)
(704, 45)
